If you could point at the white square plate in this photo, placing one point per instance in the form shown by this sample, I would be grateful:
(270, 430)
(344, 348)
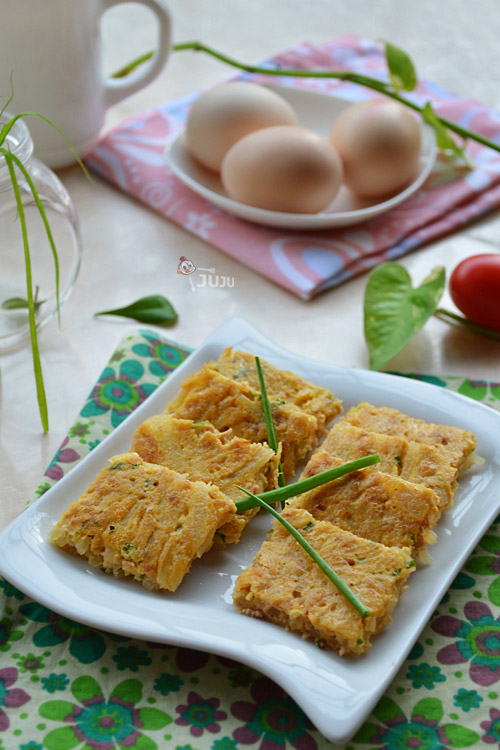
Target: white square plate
(337, 694)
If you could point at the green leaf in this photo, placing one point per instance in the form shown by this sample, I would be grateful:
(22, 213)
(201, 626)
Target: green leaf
(85, 688)
(394, 311)
(62, 738)
(480, 566)
(15, 303)
(462, 581)
(56, 710)
(431, 709)
(490, 544)
(19, 303)
(153, 309)
(366, 733)
(401, 69)
(458, 736)
(128, 690)
(494, 592)
(16, 635)
(143, 742)
(153, 718)
(387, 710)
(473, 389)
(444, 139)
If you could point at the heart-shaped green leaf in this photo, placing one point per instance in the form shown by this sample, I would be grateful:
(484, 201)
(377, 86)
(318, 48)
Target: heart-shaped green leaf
(153, 309)
(394, 311)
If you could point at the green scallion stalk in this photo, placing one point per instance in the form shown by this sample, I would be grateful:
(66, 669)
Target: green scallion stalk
(342, 586)
(342, 75)
(490, 333)
(271, 435)
(37, 365)
(7, 127)
(304, 485)
(13, 162)
(48, 231)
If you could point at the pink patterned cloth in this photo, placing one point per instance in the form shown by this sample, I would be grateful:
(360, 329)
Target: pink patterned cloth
(131, 156)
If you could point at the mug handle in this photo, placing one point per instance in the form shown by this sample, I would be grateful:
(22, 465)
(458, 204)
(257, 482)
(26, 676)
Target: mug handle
(117, 89)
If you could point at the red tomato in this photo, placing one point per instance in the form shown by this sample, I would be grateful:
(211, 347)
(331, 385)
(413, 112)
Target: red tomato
(475, 289)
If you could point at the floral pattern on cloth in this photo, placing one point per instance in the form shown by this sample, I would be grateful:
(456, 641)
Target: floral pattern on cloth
(131, 156)
(136, 368)
(66, 686)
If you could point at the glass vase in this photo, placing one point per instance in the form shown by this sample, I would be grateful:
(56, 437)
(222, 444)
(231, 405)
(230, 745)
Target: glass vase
(64, 225)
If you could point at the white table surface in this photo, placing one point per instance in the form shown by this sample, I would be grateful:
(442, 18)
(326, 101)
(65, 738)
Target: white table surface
(453, 42)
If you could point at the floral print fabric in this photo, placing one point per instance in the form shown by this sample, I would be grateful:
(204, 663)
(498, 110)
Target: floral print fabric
(64, 685)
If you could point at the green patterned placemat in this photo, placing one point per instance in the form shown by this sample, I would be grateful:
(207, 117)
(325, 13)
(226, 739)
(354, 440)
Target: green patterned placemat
(64, 685)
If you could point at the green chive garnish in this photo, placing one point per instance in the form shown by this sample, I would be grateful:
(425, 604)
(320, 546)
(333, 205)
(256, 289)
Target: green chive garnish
(342, 586)
(291, 490)
(271, 435)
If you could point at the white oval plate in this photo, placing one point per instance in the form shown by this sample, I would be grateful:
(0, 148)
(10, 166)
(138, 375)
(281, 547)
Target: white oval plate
(337, 694)
(317, 112)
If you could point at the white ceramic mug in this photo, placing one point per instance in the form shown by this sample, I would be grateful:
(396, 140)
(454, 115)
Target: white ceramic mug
(53, 50)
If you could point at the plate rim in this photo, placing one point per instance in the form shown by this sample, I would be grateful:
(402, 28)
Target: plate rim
(312, 222)
(239, 328)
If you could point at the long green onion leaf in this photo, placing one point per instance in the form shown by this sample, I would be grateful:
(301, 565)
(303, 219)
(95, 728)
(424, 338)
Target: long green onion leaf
(304, 485)
(37, 365)
(9, 125)
(343, 75)
(342, 586)
(45, 220)
(11, 94)
(271, 435)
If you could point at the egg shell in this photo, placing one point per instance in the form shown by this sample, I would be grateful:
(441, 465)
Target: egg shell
(283, 168)
(223, 115)
(379, 142)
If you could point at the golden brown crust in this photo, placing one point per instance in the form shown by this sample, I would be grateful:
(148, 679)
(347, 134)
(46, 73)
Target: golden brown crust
(281, 385)
(200, 451)
(205, 454)
(430, 466)
(458, 444)
(418, 463)
(228, 404)
(285, 587)
(349, 442)
(143, 520)
(373, 505)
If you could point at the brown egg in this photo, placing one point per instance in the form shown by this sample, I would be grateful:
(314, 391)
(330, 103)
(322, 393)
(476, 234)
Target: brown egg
(379, 144)
(226, 113)
(283, 168)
